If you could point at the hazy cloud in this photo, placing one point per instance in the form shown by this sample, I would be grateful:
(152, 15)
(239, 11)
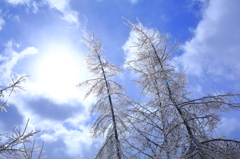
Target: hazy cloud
(2, 22)
(229, 125)
(35, 7)
(134, 1)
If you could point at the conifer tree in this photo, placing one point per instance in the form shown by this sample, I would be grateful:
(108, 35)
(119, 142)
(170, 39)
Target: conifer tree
(111, 100)
(167, 122)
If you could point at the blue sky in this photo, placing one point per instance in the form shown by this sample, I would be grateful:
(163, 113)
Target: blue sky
(41, 38)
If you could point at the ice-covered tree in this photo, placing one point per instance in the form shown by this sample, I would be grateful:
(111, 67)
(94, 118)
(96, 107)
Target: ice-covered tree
(18, 144)
(167, 122)
(111, 100)
(8, 90)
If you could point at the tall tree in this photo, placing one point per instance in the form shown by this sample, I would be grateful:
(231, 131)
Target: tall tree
(168, 123)
(111, 100)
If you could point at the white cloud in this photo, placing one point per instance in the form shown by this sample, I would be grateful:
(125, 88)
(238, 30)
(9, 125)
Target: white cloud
(58, 4)
(50, 75)
(48, 137)
(67, 138)
(62, 117)
(128, 46)
(2, 22)
(63, 6)
(75, 140)
(69, 15)
(215, 48)
(72, 132)
(228, 125)
(35, 7)
(16, 18)
(30, 4)
(16, 2)
(10, 57)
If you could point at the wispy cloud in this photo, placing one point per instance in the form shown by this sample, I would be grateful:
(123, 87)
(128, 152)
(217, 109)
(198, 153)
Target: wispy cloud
(16, 2)
(35, 7)
(69, 15)
(197, 7)
(2, 22)
(10, 57)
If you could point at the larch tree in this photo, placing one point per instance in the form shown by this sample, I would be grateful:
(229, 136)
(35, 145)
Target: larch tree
(111, 100)
(167, 122)
(18, 144)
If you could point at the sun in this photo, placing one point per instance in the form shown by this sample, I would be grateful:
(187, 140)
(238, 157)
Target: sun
(58, 72)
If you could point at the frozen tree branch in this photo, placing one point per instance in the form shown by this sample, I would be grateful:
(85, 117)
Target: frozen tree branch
(15, 84)
(180, 127)
(111, 100)
(18, 144)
